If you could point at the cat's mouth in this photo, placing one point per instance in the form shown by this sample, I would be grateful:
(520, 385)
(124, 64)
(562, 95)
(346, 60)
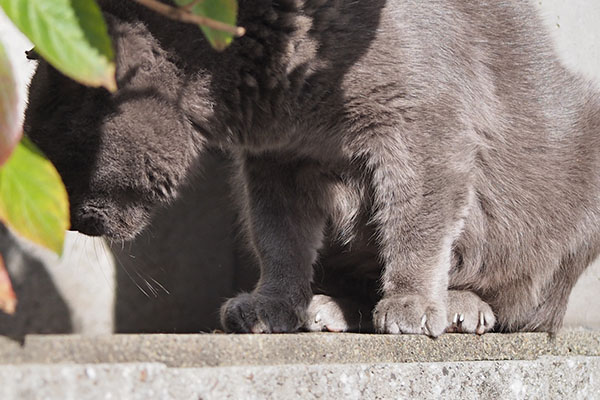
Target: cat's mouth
(103, 218)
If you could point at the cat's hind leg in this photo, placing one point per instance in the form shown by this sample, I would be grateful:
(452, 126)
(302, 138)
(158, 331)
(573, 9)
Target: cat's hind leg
(333, 314)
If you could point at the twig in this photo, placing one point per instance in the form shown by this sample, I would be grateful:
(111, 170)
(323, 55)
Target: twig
(183, 15)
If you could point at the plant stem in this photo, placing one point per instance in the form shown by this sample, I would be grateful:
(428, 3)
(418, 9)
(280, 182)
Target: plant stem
(183, 15)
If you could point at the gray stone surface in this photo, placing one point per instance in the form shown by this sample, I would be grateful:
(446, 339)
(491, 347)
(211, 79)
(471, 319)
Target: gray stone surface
(218, 350)
(301, 366)
(545, 378)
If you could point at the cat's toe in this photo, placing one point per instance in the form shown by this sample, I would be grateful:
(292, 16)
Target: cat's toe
(255, 313)
(409, 314)
(335, 315)
(325, 314)
(467, 313)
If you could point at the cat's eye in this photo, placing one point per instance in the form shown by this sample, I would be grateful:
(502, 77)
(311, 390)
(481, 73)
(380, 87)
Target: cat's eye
(32, 54)
(148, 63)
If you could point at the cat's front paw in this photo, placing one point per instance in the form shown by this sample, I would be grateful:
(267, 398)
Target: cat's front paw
(256, 313)
(409, 314)
(467, 313)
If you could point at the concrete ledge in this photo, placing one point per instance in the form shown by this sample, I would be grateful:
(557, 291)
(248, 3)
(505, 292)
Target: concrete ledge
(213, 350)
(303, 366)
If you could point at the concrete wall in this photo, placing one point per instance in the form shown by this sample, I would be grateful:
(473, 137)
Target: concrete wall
(574, 26)
(175, 275)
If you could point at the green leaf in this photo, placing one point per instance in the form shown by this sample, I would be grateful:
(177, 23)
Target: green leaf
(219, 10)
(70, 34)
(10, 131)
(33, 199)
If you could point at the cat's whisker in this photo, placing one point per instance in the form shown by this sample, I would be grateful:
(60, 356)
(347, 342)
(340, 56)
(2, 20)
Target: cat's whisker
(131, 277)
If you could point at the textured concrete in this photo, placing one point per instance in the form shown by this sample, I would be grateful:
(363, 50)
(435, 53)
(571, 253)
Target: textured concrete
(217, 350)
(303, 366)
(546, 378)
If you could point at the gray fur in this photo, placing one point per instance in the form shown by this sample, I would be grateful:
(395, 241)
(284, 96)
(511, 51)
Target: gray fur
(385, 151)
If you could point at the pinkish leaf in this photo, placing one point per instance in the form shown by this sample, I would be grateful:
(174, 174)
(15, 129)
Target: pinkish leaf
(8, 300)
(10, 130)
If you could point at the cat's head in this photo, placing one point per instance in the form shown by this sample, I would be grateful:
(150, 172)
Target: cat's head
(120, 154)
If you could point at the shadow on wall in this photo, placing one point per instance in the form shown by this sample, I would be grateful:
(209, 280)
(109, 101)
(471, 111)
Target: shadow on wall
(41, 308)
(176, 274)
(172, 278)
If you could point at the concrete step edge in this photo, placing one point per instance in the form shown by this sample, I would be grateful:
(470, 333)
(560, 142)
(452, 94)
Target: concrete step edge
(214, 350)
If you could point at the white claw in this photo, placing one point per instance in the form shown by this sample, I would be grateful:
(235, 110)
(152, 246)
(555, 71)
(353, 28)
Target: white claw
(461, 318)
(481, 327)
(317, 318)
(424, 325)
(455, 319)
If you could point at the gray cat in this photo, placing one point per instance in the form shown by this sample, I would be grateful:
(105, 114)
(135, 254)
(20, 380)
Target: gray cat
(430, 163)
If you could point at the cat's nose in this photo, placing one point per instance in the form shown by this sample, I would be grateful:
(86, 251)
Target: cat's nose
(89, 221)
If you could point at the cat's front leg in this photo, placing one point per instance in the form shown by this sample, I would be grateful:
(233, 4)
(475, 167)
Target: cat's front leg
(284, 219)
(417, 211)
